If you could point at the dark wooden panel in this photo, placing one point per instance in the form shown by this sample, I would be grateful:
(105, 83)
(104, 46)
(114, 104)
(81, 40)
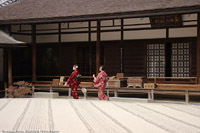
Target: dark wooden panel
(47, 60)
(134, 58)
(112, 58)
(67, 59)
(22, 61)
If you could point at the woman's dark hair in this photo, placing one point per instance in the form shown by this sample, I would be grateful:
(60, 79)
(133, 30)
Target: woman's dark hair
(76, 66)
(102, 67)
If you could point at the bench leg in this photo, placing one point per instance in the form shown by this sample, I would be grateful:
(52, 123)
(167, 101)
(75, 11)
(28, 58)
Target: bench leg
(6, 94)
(115, 93)
(85, 95)
(33, 90)
(69, 92)
(84, 90)
(149, 95)
(187, 98)
(51, 89)
(152, 94)
(108, 93)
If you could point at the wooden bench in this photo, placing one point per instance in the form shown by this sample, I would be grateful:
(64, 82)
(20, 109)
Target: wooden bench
(150, 91)
(179, 87)
(86, 87)
(173, 80)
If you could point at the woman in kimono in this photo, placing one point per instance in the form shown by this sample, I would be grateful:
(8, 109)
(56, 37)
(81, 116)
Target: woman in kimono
(74, 81)
(100, 82)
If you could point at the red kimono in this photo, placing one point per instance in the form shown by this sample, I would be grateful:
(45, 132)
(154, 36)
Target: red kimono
(100, 82)
(73, 84)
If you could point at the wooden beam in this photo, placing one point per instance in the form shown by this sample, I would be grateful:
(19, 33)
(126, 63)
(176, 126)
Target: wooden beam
(105, 26)
(34, 78)
(168, 48)
(59, 48)
(89, 40)
(59, 33)
(8, 30)
(167, 34)
(122, 47)
(198, 50)
(94, 31)
(9, 66)
(91, 61)
(89, 31)
(98, 47)
(5, 66)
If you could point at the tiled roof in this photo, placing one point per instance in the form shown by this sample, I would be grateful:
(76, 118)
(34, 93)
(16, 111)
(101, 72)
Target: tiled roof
(8, 41)
(72, 9)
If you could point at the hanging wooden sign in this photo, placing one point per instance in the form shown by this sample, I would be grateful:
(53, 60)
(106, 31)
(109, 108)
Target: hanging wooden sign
(166, 21)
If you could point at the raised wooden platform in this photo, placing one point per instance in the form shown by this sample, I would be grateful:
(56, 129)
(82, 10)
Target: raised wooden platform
(174, 89)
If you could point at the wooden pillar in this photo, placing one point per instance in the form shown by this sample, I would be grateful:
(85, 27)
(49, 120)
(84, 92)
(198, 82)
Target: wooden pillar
(8, 31)
(59, 49)
(198, 50)
(166, 40)
(122, 47)
(167, 34)
(9, 66)
(89, 31)
(98, 46)
(89, 40)
(59, 33)
(168, 54)
(34, 52)
(5, 67)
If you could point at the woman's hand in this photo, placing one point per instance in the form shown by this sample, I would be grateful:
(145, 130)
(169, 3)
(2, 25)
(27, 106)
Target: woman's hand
(94, 76)
(65, 84)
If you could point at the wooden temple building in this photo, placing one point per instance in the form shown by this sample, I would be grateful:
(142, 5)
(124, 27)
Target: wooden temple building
(146, 38)
(8, 43)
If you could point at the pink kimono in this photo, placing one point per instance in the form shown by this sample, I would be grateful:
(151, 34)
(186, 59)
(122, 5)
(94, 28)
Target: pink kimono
(100, 82)
(73, 83)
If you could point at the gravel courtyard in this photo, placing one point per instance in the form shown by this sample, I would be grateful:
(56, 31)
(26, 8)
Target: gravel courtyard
(81, 116)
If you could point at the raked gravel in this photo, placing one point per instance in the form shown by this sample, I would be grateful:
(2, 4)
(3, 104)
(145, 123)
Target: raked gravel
(94, 116)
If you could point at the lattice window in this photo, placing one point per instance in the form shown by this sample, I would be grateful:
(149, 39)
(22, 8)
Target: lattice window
(155, 60)
(180, 59)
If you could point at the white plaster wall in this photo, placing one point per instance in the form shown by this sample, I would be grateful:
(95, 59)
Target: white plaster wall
(46, 26)
(1, 64)
(183, 32)
(94, 36)
(106, 36)
(47, 38)
(189, 16)
(144, 34)
(136, 21)
(64, 26)
(16, 28)
(22, 38)
(74, 37)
